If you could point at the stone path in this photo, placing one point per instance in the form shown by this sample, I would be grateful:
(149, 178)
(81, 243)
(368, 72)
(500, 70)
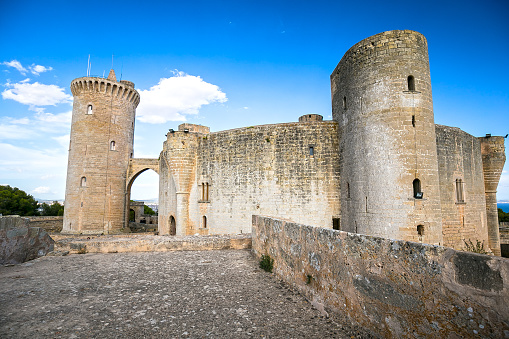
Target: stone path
(189, 294)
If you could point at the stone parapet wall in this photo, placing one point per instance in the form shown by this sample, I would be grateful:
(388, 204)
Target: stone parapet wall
(395, 288)
(150, 243)
(52, 224)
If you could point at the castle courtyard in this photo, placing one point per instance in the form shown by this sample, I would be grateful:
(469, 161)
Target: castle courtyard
(184, 294)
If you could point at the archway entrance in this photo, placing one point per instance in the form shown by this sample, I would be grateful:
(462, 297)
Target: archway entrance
(143, 190)
(173, 225)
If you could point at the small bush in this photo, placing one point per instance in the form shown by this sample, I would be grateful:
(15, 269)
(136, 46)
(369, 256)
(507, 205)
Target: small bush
(309, 279)
(267, 263)
(477, 248)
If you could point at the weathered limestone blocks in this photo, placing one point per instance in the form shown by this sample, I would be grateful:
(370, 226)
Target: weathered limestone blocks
(151, 243)
(382, 101)
(493, 159)
(51, 224)
(396, 288)
(19, 242)
(463, 201)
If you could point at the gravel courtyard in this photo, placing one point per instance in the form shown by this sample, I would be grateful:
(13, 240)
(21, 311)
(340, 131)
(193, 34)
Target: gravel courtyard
(188, 294)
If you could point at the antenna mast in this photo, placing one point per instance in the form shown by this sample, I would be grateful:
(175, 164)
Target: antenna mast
(88, 66)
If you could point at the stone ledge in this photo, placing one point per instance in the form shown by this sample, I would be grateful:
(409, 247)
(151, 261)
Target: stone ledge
(149, 243)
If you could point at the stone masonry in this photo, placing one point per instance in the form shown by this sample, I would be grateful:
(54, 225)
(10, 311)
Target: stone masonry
(381, 167)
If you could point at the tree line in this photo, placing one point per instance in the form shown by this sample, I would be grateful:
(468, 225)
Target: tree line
(14, 201)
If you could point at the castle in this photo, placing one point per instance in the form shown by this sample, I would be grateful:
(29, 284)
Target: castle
(381, 167)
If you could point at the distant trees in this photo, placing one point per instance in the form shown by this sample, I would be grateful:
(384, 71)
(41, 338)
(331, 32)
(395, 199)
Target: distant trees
(14, 201)
(503, 216)
(148, 210)
(54, 209)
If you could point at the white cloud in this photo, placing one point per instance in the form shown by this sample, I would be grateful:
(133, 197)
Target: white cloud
(36, 94)
(22, 121)
(16, 64)
(63, 140)
(14, 132)
(34, 69)
(41, 190)
(41, 124)
(175, 97)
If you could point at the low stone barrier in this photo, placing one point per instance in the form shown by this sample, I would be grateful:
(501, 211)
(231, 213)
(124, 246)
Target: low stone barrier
(52, 224)
(19, 242)
(149, 243)
(394, 288)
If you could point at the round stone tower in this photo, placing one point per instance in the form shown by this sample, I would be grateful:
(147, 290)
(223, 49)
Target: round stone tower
(99, 151)
(381, 99)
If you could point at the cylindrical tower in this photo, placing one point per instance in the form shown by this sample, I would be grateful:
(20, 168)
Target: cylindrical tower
(177, 178)
(101, 144)
(381, 98)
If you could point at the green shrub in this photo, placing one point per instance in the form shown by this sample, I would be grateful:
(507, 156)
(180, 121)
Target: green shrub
(267, 263)
(477, 248)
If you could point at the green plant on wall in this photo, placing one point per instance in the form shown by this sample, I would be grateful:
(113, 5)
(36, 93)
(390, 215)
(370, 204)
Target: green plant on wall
(267, 263)
(477, 248)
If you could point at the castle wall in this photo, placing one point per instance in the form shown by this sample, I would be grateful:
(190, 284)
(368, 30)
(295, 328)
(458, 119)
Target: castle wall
(461, 187)
(96, 204)
(398, 289)
(493, 159)
(381, 99)
(262, 169)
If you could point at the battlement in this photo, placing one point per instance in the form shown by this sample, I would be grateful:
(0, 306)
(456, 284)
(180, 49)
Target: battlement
(123, 90)
(310, 117)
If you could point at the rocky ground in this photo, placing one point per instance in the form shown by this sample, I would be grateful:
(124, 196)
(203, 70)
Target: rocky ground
(188, 294)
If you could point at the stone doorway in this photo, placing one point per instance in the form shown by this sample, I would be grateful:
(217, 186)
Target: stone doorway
(173, 226)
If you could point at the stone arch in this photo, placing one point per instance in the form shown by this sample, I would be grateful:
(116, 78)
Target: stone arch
(137, 167)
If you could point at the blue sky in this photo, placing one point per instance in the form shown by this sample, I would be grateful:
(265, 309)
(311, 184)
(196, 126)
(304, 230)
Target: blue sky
(233, 64)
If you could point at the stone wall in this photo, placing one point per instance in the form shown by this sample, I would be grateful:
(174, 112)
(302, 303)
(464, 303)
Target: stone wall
(395, 288)
(381, 99)
(290, 170)
(493, 160)
(52, 224)
(462, 195)
(19, 242)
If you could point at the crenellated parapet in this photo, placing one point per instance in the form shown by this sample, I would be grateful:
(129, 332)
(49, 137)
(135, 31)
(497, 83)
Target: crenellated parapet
(123, 90)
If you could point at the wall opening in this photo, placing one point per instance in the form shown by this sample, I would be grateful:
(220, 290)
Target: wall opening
(311, 150)
(143, 186)
(336, 224)
(417, 189)
(344, 102)
(90, 109)
(112, 145)
(420, 230)
(348, 190)
(413, 120)
(411, 83)
(132, 215)
(205, 191)
(173, 225)
(83, 182)
(459, 191)
(204, 222)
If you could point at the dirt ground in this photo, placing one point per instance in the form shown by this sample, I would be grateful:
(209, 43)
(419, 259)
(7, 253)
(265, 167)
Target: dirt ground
(188, 294)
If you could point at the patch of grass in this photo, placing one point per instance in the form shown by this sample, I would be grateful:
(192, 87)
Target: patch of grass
(267, 263)
(309, 279)
(477, 248)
